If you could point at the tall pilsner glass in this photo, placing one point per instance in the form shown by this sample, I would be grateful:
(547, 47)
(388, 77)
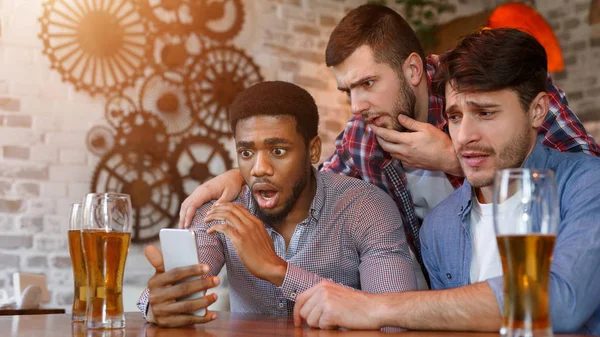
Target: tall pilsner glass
(105, 235)
(525, 234)
(77, 261)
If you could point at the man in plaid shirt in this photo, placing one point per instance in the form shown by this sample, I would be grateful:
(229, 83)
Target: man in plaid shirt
(399, 124)
(291, 227)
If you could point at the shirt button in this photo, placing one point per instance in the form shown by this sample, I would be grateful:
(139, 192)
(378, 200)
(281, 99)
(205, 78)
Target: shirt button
(293, 295)
(449, 276)
(281, 305)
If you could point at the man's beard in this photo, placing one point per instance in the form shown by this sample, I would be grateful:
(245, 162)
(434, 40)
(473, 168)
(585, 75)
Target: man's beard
(277, 218)
(512, 155)
(405, 105)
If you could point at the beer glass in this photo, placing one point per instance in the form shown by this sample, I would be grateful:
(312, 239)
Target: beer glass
(77, 261)
(105, 236)
(526, 215)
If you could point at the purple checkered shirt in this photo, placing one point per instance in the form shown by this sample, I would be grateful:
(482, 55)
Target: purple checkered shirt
(353, 236)
(358, 154)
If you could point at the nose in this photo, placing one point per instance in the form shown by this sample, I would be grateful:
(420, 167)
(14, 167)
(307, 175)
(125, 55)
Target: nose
(358, 104)
(467, 131)
(262, 166)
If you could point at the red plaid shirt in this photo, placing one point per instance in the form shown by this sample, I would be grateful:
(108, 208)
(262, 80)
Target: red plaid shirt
(359, 155)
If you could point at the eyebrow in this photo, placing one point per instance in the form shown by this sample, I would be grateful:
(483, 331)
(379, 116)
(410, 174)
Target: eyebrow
(358, 82)
(477, 105)
(268, 141)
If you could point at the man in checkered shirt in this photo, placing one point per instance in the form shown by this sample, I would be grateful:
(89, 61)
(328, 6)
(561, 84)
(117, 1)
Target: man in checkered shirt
(291, 227)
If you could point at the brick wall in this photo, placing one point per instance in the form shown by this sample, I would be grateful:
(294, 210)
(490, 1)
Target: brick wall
(44, 163)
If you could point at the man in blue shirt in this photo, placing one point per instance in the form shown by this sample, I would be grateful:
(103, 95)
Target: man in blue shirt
(495, 102)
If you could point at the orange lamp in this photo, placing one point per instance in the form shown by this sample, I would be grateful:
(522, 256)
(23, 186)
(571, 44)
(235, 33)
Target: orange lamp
(525, 18)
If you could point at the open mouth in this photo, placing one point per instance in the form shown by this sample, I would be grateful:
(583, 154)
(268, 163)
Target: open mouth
(265, 195)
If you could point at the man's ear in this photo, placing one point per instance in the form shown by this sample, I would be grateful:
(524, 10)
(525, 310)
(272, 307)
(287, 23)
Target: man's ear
(539, 108)
(413, 69)
(314, 148)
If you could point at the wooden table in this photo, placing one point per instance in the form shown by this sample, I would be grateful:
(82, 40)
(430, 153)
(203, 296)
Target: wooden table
(41, 311)
(227, 324)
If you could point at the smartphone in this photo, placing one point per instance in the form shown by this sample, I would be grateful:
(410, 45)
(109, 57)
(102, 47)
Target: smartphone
(179, 250)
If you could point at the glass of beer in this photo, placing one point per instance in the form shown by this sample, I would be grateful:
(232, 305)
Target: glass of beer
(78, 263)
(526, 215)
(105, 236)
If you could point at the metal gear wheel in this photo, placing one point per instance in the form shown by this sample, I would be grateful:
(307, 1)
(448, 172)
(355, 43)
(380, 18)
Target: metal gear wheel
(117, 108)
(172, 56)
(173, 16)
(142, 133)
(100, 140)
(154, 200)
(197, 159)
(167, 101)
(223, 72)
(98, 47)
(219, 20)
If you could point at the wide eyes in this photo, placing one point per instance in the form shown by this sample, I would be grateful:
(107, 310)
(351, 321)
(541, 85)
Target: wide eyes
(245, 153)
(276, 152)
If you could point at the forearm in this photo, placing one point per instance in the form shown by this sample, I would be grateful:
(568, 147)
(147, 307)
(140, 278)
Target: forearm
(469, 308)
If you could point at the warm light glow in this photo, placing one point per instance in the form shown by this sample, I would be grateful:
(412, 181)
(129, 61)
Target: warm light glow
(525, 18)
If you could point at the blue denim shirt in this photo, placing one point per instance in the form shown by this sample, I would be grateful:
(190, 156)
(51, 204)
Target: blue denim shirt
(575, 270)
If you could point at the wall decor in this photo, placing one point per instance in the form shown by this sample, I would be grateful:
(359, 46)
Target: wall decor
(168, 72)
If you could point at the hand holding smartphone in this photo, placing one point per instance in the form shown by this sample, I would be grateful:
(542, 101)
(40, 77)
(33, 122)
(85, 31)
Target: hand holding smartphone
(178, 248)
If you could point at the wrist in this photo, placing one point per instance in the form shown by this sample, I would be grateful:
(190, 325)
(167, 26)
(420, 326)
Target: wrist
(385, 314)
(380, 310)
(276, 273)
(453, 165)
(239, 177)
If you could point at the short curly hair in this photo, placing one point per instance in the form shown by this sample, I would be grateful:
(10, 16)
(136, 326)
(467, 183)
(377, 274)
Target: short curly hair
(277, 98)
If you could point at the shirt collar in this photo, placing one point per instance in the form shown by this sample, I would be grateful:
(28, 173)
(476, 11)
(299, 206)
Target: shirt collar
(538, 158)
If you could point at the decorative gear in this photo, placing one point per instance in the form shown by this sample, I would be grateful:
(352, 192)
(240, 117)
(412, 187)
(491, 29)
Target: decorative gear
(167, 101)
(153, 197)
(218, 20)
(117, 108)
(100, 140)
(224, 72)
(100, 48)
(173, 16)
(143, 133)
(197, 159)
(172, 56)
